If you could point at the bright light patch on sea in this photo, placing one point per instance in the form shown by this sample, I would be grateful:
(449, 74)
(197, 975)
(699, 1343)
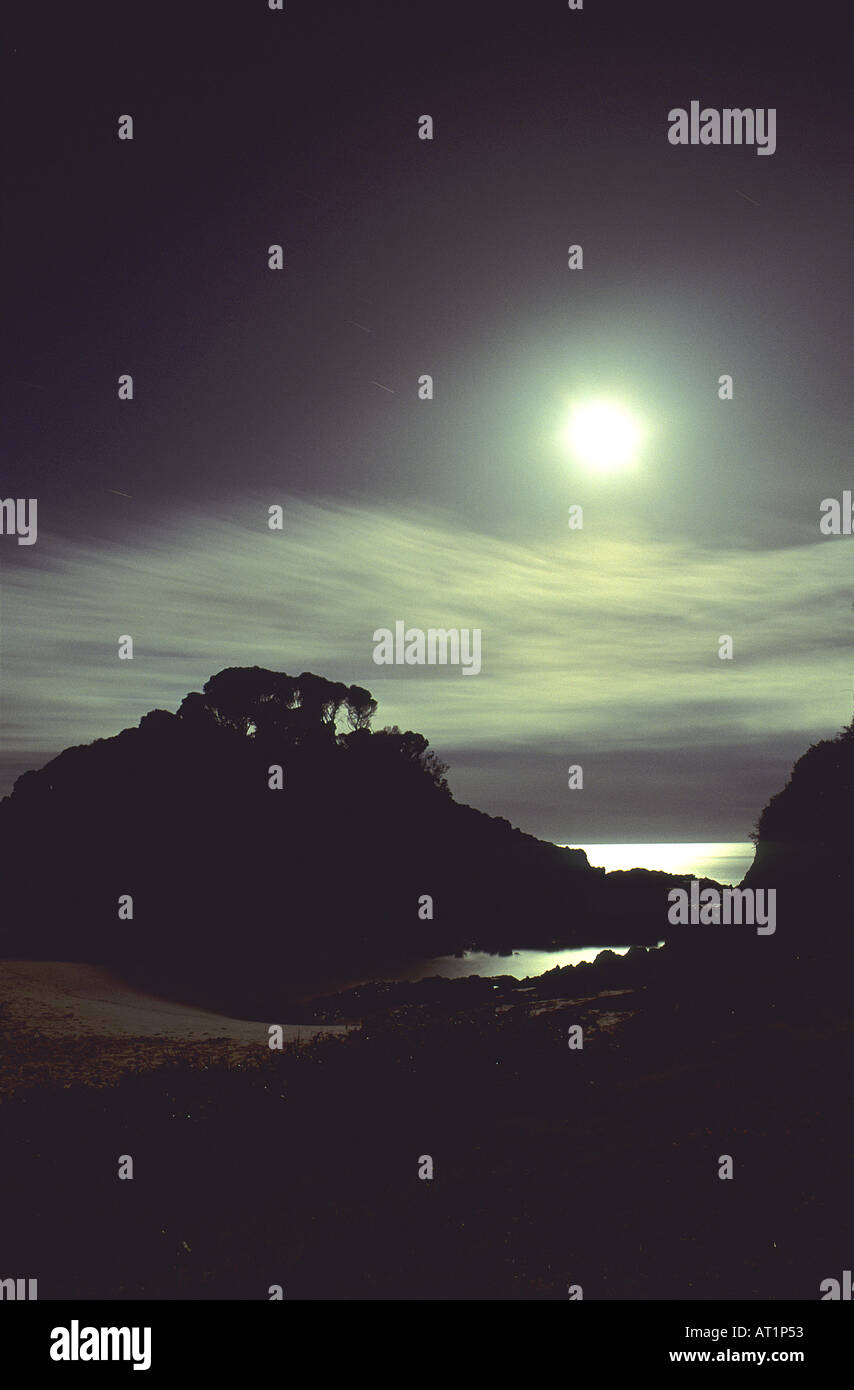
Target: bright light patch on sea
(725, 861)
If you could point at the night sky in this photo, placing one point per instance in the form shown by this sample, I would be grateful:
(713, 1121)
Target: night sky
(403, 256)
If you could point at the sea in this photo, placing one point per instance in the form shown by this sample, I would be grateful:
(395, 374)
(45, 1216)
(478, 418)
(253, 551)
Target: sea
(725, 861)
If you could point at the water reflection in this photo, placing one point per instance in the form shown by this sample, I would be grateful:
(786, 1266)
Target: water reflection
(521, 964)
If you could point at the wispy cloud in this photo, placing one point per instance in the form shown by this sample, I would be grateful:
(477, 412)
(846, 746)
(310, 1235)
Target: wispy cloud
(590, 641)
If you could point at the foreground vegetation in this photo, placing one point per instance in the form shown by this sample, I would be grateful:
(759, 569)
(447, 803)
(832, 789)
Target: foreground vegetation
(551, 1166)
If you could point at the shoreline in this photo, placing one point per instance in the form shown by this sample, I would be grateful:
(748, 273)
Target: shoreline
(81, 1024)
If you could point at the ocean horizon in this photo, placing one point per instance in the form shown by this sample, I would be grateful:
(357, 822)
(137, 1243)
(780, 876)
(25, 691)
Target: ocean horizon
(726, 861)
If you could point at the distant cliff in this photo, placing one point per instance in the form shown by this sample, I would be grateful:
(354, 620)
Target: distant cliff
(803, 839)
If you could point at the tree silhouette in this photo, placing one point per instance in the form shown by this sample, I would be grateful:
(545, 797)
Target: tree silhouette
(264, 704)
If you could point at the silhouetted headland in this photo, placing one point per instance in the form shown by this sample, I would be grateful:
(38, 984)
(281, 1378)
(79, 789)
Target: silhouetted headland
(555, 1165)
(245, 894)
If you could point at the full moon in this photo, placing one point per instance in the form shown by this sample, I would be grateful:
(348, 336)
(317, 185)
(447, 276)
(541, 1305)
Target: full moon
(603, 436)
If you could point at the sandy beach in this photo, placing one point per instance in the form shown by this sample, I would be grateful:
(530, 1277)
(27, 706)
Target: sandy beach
(61, 1020)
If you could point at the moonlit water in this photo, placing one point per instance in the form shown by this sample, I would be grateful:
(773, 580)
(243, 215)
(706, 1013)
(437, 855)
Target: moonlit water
(725, 861)
(520, 965)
